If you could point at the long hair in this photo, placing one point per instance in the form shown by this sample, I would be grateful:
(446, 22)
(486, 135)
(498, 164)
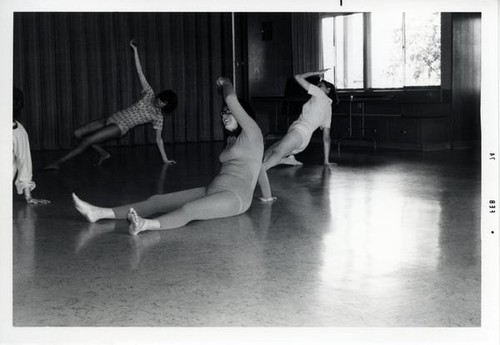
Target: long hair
(169, 97)
(333, 92)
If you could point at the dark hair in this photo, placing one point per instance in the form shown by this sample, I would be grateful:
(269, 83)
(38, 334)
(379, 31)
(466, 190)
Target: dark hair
(248, 109)
(333, 91)
(170, 98)
(17, 102)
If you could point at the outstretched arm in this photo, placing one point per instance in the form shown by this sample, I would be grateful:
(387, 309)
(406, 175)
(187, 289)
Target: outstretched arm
(301, 78)
(138, 67)
(161, 148)
(264, 185)
(244, 120)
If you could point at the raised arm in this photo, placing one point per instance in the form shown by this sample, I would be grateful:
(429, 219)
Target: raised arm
(244, 120)
(138, 67)
(301, 78)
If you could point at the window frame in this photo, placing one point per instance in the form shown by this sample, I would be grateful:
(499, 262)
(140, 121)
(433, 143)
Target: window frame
(367, 64)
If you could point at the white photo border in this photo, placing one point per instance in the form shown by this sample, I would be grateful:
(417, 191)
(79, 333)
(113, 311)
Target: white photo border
(487, 333)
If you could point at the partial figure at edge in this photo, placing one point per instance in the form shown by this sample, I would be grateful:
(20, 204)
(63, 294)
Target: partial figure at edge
(22, 165)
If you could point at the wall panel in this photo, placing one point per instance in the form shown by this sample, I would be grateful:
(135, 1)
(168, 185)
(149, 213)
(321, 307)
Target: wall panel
(466, 82)
(78, 67)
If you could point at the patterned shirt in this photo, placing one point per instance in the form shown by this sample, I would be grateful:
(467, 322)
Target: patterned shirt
(142, 111)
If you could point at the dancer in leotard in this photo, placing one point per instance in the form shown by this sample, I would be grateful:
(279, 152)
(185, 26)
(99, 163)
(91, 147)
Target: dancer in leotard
(229, 194)
(149, 108)
(316, 113)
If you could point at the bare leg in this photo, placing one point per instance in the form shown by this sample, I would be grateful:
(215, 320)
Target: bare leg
(270, 150)
(89, 128)
(103, 154)
(217, 205)
(275, 154)
(103, 134)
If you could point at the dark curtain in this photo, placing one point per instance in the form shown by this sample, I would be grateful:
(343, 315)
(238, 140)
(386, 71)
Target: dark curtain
(306, 42)
(78, 67)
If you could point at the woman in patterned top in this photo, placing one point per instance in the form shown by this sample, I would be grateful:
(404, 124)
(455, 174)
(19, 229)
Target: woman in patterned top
(148, 109)
(229, 194)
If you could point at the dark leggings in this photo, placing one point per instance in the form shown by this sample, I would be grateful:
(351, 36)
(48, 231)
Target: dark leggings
(91, 134)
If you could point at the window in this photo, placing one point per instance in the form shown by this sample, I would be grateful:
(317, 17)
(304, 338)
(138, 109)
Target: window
(343, 50)
(401, 49)
(423, 49)
(387, 65)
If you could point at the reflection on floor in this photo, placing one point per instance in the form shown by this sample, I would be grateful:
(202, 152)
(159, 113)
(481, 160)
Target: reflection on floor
(385, 239)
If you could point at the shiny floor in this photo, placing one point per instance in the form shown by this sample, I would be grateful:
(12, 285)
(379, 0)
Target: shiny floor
(385, 239)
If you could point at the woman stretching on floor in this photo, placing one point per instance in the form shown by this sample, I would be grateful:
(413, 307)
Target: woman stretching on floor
(149, 108)
(229, 194)
(317, 112)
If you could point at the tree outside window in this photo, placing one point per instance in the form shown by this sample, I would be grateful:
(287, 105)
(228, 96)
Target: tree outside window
(404, 49)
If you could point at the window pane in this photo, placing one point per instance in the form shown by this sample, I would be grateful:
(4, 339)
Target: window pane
(387, 49)
(339, 53)
(353, 26)
(349, 51)
(423, 49)
(328, 48)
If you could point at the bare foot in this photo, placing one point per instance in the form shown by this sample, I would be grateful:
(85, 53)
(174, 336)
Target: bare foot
(53, 166)
(90, 212)
(137, 223)
(102, 158)
(290, 160)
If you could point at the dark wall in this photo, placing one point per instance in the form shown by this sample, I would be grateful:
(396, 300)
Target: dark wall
(269, 62)
(77, 67)
(269, 53)
(466, 78)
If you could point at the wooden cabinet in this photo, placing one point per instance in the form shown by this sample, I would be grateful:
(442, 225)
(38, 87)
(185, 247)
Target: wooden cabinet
(395, 132)
(377, 128)
(404, 131)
